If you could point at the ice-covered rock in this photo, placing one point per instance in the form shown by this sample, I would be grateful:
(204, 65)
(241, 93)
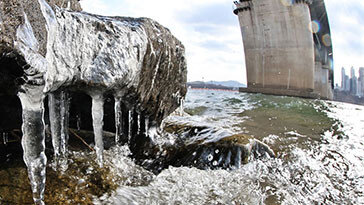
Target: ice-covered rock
(49, 48)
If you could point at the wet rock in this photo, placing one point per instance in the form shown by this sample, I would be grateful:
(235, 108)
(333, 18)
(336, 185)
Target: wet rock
(201, 147)
(136, 59)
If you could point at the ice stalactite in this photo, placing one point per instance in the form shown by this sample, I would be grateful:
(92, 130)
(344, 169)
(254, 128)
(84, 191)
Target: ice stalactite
(180, 109)
(146, 125)
(58, 103)
(31, 98)
(129, 120)
(5, 136)
(98, 123)
(130, 128)
(118, 120)
(137, 128)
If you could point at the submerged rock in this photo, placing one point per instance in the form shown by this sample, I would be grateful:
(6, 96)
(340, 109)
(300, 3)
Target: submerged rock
(48, 50)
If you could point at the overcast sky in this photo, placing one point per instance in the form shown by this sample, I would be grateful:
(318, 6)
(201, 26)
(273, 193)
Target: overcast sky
(211, 34)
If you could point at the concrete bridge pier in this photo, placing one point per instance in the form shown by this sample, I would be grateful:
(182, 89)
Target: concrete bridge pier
(280, 48)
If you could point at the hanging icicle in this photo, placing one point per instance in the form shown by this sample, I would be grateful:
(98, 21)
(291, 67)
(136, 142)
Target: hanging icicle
(118, 120)
(97, 120)
(58, 103)
(33, 144)
(130, 128)
(134, 123)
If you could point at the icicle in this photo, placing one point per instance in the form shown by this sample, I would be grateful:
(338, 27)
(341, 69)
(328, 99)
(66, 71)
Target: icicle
(58, 113)
(138, 124)
(118, 120)
(181, 107)
(97, 121)
(33, 139)
(69, 5)
(5, 137)
(146, 125)
(65, 122)
(54, 103)
(130, 128)
(131, 124)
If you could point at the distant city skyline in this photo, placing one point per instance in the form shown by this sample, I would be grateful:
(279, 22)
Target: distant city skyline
(353, 84)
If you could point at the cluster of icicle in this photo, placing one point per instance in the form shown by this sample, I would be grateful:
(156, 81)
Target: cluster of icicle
(77, 54)
(127, 122)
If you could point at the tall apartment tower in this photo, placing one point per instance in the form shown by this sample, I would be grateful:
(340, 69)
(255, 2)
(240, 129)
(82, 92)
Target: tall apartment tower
(284, 49)
(343, 74)
(361, 82)
(353, 82)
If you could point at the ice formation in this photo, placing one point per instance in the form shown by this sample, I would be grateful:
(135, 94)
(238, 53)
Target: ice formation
(136, 60)
(33, 139)
(58, 103)
(118, 120)
(97, 119)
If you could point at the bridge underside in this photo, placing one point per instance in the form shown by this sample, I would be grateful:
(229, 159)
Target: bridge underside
(287, 47)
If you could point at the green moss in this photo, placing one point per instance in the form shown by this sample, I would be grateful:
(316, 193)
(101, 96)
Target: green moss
(241, 139)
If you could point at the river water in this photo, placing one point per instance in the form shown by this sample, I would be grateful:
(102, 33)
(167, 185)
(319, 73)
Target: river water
(319, 147)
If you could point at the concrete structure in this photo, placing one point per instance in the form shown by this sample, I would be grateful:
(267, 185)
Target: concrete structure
(284, 54)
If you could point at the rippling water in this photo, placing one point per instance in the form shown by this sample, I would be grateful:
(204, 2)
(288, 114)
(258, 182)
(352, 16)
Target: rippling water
(319, 148)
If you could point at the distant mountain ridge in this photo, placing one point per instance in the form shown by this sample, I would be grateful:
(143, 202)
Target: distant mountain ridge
(229, 83)
(225, 85)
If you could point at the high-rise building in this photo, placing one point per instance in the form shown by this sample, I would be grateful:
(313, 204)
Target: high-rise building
(347, 83)
(353, 82)
(343, 83)
(361, 82)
